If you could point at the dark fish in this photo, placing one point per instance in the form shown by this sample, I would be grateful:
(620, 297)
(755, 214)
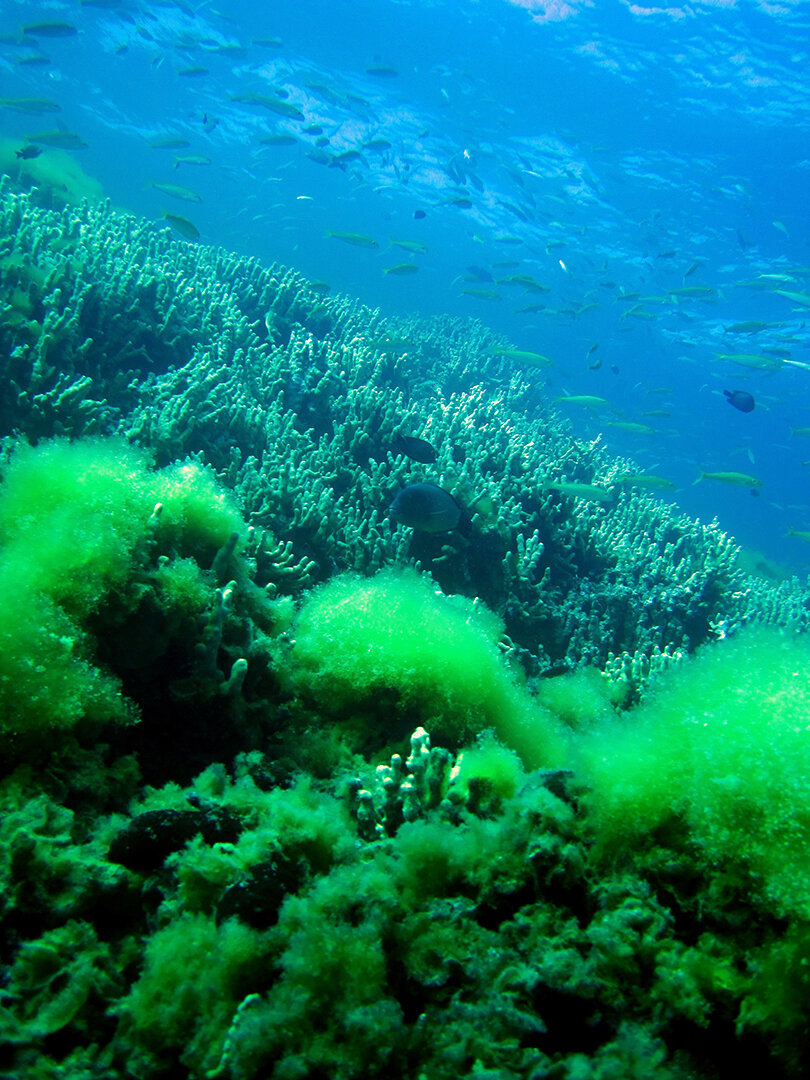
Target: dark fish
(185, 227)
(63, 140)
(740, 399)
(428, 508)
(416, 449)
(419, 214)
(50, 29)
(28, 152)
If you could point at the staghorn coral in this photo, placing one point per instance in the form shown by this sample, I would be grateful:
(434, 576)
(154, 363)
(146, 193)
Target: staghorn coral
(294, 399)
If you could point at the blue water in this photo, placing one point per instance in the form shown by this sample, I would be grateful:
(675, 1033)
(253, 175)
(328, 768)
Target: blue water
(606, 149)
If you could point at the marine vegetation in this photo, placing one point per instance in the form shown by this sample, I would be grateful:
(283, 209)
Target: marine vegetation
(291, 789)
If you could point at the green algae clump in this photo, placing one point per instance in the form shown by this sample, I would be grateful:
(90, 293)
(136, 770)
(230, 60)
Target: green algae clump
(395, 644)
(723, 746)
(78, 522)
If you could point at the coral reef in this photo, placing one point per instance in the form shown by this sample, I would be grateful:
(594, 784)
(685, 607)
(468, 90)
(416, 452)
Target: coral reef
(228, 848)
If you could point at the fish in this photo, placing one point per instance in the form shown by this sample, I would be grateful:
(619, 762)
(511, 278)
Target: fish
(280, 138)
(803, 432)
(344, 158)
(416, 246)
(191, 159)
(740, 399)
(401, 269)
(28, 152)
(524, 356)
(735, 479)
(416, 449)
(182, 225)
(632, 427)
(525, 282)
(801, 534)
(591, 492)
(30, 104)
(752, 326)
(425, 507)
(753, 360)
(60, 140)
(356, 239)
(176, 191)
(648, 481)
(169, 142)
(802, 298)
(34, 60)
(587, 400)
(382, 71)
(196, 71)
(50, 29)
(274, 104)
(419, 214)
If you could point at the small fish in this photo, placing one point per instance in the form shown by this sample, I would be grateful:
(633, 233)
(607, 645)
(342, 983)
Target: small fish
(356, 239)
(799, 533)
(401, 269)
(182, 225)
(170, 142)
(382, 71)
(428, 508)
(632, 427)
(191, 159)
(176, 191)
(524, 356)
(648, 481)
(28, 152)
(591, 492)
(525, 282)
(740, 399)
(268, 42)
(751, 326)
(345, 157)
(281, 138)
(34, 60)
(30, 104)
(587, 400)
(735, 479)
(802, 298)
(803, 432)
(61, 140)
(416, 449)
(274, 104)
(416, 246)
(419, 214)
(50, 29)
(753, 360)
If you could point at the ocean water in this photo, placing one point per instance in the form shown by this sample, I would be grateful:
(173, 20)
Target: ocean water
(639, 172)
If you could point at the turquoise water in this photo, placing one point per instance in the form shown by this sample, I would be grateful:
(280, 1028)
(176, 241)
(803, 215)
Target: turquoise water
(609, 156)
